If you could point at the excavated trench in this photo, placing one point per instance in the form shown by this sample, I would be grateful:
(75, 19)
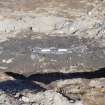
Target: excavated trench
(51, 54)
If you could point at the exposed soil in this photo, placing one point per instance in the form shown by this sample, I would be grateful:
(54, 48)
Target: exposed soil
(52, 52)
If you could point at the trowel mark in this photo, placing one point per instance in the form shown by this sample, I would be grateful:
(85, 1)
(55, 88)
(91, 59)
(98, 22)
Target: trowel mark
(54, 50)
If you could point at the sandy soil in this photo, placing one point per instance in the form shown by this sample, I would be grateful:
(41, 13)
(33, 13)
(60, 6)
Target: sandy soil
(52, 52)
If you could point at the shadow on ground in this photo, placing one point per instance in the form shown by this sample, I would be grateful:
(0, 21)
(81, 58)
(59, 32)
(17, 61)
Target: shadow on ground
(23, 82)
(50, 77)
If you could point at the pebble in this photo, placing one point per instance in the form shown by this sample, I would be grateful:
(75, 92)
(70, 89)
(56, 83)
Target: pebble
(25, 99)
(8, 61)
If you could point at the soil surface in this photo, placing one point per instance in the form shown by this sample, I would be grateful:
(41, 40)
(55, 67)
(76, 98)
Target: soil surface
(52, 52)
